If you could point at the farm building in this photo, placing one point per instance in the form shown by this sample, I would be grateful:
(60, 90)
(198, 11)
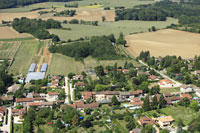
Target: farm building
(44, 67)
(34, 76)
(32, 67)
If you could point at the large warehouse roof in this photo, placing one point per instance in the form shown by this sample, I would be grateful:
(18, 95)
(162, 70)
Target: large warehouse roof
(32, 67)
(34, 76)
(44, 67)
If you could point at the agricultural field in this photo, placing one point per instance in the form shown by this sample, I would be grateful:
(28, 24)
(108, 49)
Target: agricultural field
(9, 33)
(24, 57)
(8, 49)
(106, 28)
(186, 114)
(61, 64)
(165, 42)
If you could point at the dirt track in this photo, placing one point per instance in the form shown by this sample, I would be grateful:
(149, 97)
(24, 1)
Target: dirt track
(165, 42)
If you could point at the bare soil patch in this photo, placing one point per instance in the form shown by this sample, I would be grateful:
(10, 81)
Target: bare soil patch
(165, 42)
(8, 32)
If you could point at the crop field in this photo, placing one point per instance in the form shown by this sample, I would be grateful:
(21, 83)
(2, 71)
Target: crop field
(165, 42)
(23, 57)
(9, 33)
(8, 50)
(106, 28)
(62, 65)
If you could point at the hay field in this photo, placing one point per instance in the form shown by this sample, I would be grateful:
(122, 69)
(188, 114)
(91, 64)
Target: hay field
(87, 14)
(23, 57)
(106, 28)
(165, 42)
(8, 49)
(8, 32)
(62, 65)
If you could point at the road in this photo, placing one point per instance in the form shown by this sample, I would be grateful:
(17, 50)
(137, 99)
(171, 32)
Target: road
(177, 84)
(66, 90)
(71, 92)
(6, 127)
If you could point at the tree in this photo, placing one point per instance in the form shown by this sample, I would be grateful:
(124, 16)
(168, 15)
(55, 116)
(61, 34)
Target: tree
(194, 105)
(153, 28)
(146, 105)
(162, 102)
(55, 39)
(155, 102)
(131, 125)
(103, 18)
(86, 124)
(121, 40)
(70, 75)
(112, 38)
(114, 100)
(99, 71)
(194, 126)
(59, 124)
(144, 87)
(132, 72)
(148, 129)
(155, 90)
(75, 120)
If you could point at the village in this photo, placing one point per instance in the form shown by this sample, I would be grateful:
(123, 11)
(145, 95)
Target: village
(135, 90)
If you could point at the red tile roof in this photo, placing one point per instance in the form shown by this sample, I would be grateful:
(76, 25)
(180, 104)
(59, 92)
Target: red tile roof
(53, 93)
(80, 84)
(186, 95)
(24, 100)
(137, 92)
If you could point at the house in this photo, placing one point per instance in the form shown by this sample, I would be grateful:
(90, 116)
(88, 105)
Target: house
(144, 121)
(125, 71)
(52, 96)
(153, 78)
(137, 93)
(106, 95)
(172, 100)
(7, 98)
(124, 95)
(186, 88)
(197, 92)
(14, 88)
(80, 84)
(186, 95)
(167, 95)
(136, 102)
(166, 83)
(197, 72)
(39, 99)
(88, 95)
(81, 105)
(77, 77)
(3, 111)
(40, 104)
(18, 112)
(165, 121)
(54, 84)
(23, 101)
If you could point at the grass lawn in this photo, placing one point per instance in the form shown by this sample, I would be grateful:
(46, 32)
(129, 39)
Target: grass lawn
(18, 128)
(62, 65)
(169, 90)
(186, 114)
(150, 113)
(46, 128)
(106, 28)
(23, 57)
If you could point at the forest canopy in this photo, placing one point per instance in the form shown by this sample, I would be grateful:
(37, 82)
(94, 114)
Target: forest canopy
(100, 47)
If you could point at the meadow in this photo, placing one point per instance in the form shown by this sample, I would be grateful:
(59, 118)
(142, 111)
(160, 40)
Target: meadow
(165, 42)
(23, 57)
(106, 28)
(62, 65)
(186, 114)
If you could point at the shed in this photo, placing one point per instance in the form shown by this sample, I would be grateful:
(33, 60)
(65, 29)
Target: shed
(44, 67)
(32, 67)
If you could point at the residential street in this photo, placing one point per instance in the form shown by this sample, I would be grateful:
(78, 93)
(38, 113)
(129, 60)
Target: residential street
(66, 90)
(7, 127)
(177, 84)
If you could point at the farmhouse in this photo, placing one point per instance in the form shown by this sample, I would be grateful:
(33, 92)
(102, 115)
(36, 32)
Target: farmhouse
(165, 121)
(186, 88)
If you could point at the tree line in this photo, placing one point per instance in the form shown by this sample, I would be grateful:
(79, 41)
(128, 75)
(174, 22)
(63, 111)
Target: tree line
(37, 28)
(100, 47)
(66, 13)
(16, 3)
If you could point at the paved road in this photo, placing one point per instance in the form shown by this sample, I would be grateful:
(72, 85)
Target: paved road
(177, 84)
(6, 127)
(66, 90)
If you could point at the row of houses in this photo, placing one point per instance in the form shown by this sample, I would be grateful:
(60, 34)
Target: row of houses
(107, 95)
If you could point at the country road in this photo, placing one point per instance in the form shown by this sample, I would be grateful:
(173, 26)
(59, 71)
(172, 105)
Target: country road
(177, 84)
(66, 90)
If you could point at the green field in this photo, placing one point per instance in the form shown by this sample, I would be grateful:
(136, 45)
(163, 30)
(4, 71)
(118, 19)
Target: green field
(83, 3)
(106, 28)
(169, 90)
(62, 65)
(17, 39)
(24, 56)
(8, 50)
(186, 114)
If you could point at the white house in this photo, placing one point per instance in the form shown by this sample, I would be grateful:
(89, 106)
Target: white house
(166, 83)
(52, 96)
(165, 121)
(186, 88)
